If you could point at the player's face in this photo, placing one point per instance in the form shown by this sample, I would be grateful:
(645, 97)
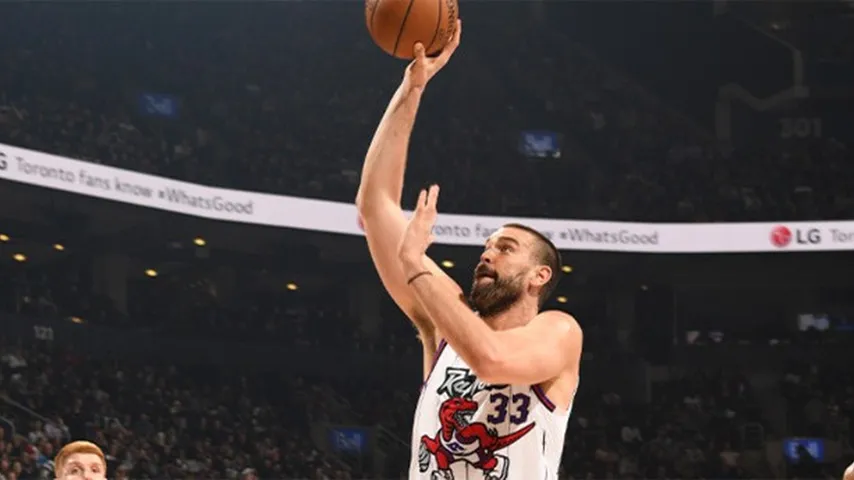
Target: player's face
(83, 466)
(501, 277)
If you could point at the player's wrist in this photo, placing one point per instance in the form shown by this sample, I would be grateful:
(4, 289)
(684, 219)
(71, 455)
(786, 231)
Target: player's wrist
(412, 265)
(409, 91)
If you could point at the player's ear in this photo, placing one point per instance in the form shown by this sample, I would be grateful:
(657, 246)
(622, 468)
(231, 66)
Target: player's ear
(542, 275)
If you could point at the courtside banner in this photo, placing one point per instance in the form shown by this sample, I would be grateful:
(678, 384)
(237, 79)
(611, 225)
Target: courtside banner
(94, 180)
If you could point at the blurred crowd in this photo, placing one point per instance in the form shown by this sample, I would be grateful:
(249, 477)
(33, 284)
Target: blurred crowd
(252, 99)
(157, 421)
(167, 420)
(690, 429)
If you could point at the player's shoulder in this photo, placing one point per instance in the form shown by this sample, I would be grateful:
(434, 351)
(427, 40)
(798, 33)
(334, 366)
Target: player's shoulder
(558, 319)
(849, 472)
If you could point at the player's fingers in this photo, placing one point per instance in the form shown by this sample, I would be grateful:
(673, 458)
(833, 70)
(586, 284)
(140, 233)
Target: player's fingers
(419, 52)
(452, 45)
(422, 200)
(433, 197)
(454, 41)
(458, 32)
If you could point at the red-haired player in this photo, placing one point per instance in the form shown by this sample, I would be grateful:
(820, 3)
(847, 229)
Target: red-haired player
(80, 460)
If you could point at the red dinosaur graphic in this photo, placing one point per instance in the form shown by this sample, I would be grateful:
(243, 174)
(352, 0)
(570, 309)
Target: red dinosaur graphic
(457, 440)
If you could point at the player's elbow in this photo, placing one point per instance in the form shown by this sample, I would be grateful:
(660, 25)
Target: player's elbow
(363, 209)
(367, 204)
(360, 200)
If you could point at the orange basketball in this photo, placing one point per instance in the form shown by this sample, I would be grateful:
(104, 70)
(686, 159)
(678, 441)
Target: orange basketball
(397, 25)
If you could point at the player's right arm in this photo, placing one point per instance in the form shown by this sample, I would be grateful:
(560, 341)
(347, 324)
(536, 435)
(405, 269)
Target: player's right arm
(381, 187)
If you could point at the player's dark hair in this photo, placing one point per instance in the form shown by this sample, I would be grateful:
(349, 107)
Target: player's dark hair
(547, 254)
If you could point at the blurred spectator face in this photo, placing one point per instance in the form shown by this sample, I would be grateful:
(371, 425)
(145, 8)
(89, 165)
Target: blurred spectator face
(122, 474)
(83, 466)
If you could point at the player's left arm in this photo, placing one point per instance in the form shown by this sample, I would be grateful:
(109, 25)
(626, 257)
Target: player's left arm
(527, 355)
(532, 354)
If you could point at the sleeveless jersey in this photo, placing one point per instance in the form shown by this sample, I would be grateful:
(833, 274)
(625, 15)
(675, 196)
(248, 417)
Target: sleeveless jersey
(467, 430)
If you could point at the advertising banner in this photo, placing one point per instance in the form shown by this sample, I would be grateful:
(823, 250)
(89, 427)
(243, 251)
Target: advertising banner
(109, 183)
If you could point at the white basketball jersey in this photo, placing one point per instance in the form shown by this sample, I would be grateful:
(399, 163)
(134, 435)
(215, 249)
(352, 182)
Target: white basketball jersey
(466, 430)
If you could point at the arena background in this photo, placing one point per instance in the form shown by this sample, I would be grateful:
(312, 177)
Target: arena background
(189, 347)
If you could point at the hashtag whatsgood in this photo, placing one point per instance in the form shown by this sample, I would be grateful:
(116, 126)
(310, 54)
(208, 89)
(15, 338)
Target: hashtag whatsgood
(620, 237)
(215, 203)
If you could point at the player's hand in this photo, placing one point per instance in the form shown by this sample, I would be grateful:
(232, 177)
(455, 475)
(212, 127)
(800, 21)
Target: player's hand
(419, 232)
(422, 68)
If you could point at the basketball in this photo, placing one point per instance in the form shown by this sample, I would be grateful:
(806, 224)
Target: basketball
(397, 25)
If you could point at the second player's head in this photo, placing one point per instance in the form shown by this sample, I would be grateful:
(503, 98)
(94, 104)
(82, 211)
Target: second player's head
(80, 460)
(517, 263)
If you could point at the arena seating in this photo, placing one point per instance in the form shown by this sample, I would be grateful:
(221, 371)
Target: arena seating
(691, 427)
(159, 421)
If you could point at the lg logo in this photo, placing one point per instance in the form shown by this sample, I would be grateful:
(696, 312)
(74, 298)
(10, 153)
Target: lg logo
(782, 236)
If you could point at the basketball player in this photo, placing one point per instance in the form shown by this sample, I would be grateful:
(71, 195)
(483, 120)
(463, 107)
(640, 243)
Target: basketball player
(498, 382)
(80, 460)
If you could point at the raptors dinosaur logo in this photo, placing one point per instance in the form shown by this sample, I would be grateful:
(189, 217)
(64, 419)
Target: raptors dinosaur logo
(475, 443)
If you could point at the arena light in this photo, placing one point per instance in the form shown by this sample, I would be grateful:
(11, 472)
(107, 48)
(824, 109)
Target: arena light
(76, 320)
(200, 242)
(566, 269)
(4, 237)
(59, 247)
(150, 272)
(19, 257)
(292, 286)
(447, 264)
(561, 299)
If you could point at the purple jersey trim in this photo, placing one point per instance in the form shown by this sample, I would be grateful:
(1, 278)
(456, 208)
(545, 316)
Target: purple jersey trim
(541, 394)
(439, 349)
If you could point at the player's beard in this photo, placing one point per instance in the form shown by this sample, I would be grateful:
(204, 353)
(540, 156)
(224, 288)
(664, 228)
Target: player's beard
(490, 298)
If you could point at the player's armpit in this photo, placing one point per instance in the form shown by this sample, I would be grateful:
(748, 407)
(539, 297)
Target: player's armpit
(429, 346)
(384, 225)
(533, 354)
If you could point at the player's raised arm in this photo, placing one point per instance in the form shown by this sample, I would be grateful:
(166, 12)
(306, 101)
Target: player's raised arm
(378, 200)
